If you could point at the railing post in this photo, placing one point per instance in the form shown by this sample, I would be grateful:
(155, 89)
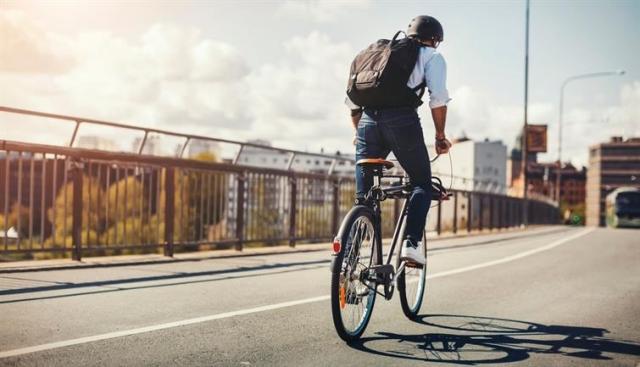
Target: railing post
(439, 224)
(481, 218)
(499, 211)
(76, 231)
(469, 212)
(504, 217)
(292, 211)
(455, 212)
(492, 202)
(507, 212)
(240, 211)
(169, 210)
(520, 212)
(335, 214)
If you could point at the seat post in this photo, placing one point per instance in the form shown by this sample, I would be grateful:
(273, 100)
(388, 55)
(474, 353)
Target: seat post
(377, 173)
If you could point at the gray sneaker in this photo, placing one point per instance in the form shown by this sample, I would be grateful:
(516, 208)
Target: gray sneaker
(412, 253)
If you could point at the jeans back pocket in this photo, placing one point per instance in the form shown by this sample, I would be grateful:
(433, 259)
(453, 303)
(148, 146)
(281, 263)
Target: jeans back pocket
(405, 135)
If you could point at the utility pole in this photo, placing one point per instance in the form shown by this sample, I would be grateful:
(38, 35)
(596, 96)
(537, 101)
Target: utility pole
(525, 206)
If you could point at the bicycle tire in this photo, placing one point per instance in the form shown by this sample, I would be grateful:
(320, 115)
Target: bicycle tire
(411, 298)
(342, 290)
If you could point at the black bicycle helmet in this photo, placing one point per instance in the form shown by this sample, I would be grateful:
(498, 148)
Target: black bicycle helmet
(425, 28)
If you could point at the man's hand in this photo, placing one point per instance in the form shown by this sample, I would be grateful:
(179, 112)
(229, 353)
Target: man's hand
(442, 145)
(355, 118)
(439, 115)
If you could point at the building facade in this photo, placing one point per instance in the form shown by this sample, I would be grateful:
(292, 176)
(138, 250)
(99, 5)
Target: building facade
(268, 158)
(611, 165)
(542, 178)
(475, 166)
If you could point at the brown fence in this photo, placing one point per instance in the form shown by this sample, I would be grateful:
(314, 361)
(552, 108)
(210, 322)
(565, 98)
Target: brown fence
(58, 201)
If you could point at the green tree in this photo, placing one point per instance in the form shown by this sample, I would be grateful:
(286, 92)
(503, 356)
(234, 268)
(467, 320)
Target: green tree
(264, 218)
(61, 214)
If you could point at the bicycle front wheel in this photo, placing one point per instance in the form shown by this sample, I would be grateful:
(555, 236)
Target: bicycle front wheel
(411, 285)
(352, 294)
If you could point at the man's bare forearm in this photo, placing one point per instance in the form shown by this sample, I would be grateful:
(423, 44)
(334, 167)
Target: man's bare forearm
(355, 119)
(439, 115)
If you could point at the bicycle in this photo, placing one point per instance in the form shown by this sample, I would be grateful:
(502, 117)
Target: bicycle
(357, 265)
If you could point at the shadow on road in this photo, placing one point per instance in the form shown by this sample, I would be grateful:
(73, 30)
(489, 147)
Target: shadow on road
(180, 278)
(475, 340)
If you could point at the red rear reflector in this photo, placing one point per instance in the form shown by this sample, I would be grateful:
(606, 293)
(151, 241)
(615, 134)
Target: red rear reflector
(336, 246)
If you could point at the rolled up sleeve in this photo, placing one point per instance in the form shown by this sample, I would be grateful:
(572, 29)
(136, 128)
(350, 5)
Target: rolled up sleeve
(436, 78)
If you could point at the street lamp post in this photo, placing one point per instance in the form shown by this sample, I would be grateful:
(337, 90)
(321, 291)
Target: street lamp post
(564, 84)
(525, 202)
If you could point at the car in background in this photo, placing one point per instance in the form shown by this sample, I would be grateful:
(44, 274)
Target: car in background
(623, 207)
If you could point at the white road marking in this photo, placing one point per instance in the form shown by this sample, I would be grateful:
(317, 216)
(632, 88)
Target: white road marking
(146, 329)
(512, 257)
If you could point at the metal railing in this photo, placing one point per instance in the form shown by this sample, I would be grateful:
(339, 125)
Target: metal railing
(61, 200)
(188, 138)
(480, 185)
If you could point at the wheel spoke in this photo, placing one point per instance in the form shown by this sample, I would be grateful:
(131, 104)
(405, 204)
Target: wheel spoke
(360, 248)
(412, 292)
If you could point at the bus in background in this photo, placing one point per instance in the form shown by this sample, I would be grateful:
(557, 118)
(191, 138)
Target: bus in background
(623, 207)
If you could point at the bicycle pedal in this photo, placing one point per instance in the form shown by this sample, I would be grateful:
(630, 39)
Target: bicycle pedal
(381, 273)
(382, 269)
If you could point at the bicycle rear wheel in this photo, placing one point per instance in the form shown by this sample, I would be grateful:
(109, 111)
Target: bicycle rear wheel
(411, 284)
(352, 295)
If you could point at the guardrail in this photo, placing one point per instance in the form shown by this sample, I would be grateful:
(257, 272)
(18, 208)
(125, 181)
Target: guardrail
(484, 185)
(61, 200)
(188, 138)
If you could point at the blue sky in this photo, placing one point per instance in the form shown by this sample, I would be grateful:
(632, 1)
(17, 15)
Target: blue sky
(289, 62)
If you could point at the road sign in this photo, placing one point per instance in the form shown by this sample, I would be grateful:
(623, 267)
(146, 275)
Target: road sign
(536, 138)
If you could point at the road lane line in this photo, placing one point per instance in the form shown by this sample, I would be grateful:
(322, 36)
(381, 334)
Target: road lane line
(512, 257)
(146, 329)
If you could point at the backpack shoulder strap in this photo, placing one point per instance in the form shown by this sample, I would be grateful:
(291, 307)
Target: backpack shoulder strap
(420, 87)
(395, 37)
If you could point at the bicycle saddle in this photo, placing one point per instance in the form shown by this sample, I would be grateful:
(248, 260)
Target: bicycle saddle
(375, 162)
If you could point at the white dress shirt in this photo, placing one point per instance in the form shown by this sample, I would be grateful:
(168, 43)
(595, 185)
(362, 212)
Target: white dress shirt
(432, 68)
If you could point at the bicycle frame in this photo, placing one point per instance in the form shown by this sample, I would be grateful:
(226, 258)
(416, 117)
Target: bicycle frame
(375, 196)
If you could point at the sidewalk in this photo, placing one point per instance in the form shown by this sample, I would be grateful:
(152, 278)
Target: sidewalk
(123, 260)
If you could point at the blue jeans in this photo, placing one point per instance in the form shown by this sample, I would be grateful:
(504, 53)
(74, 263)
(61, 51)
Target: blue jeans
(397, 130)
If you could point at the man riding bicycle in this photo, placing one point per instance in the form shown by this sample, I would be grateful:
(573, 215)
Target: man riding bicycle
(391, 124)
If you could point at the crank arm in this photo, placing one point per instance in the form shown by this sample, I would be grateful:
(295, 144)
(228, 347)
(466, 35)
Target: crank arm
(394, 281)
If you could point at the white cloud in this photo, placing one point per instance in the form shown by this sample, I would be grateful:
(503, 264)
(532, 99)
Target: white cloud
(175, 78)
(628, 112)
(300, 99)
(169, 77)
(320, 11)
(479, 117)
(26, 48)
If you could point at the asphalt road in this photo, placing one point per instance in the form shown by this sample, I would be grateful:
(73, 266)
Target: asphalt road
(547, 297)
